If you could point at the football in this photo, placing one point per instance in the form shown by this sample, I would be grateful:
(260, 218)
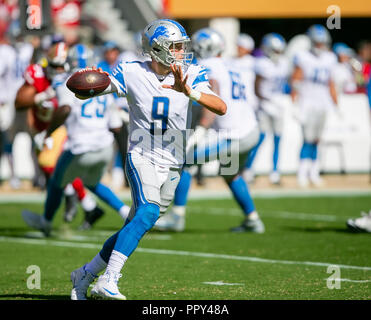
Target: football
(88, 82)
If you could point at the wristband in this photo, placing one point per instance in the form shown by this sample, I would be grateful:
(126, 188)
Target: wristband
(195, 95)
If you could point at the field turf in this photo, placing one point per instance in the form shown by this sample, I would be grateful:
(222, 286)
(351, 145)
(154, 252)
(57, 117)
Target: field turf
(304, 236)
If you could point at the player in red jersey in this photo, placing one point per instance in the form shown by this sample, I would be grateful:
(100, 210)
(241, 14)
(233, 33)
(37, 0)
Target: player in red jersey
(38, 96)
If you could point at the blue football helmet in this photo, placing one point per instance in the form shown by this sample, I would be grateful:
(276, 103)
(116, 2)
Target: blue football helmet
(207, 43)
(340, 48)
(80, 56)
(162, 37)
(318, 34)
(273, 45)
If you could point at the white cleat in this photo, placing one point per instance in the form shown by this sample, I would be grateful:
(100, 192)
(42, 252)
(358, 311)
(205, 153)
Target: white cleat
(362, 224)
(106, 287)
(275, 177)
(81, 280)
(316, 181)
(170, 222)
(37, 221)
(303, 182)
(253, 226)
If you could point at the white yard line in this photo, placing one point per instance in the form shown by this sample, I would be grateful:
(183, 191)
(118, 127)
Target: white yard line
(37, 197)
(180, 253)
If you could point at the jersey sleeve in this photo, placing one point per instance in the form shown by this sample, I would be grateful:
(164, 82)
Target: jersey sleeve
(65, 96)
(261, 68)
(118, 79)
(201, 81)
(298, 60)
(114, 119)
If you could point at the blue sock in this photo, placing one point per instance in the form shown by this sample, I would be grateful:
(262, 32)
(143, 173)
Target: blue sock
(314, 151)
(242, 195)
(129, 236)
(181, 192)
(118, 160)
(53, 200)
(252, 154)
(276, 151)
(306, 151)
(107, 195)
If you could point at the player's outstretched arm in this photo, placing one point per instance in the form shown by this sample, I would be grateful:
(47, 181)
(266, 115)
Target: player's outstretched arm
(209, 101)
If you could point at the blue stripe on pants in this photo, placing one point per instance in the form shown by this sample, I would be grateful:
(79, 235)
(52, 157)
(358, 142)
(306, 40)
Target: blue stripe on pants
(135, 183)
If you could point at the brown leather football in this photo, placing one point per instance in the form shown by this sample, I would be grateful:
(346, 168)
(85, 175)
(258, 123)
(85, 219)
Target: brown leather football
(88, 82)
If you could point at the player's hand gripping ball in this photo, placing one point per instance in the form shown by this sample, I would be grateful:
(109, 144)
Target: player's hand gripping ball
(88, 82)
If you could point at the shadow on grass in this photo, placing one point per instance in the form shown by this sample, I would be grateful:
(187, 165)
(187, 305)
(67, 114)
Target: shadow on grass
(321, 229)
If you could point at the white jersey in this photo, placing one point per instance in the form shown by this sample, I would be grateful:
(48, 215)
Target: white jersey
(274, 76)
(246, 65)
(154, 109)
(240, 118)
(89, 122)
(7, 67)
(317, 71)
(24, 52)
(345, 81)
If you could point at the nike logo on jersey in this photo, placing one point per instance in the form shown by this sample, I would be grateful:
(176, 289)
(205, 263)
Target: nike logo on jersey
(172, 179)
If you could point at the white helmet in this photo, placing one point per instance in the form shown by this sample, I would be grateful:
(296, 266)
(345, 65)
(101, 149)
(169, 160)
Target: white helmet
(80, 56)
(320, 38)
(273, 45)
(207, 43)
(162, 36)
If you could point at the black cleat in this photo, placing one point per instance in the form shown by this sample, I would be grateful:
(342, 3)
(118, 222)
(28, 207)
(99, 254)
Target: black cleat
(91, 217)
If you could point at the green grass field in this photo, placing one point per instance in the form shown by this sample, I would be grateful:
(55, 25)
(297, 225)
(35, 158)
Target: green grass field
(303, 237)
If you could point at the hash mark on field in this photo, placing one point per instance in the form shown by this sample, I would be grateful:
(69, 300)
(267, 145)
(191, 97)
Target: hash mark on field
(180, 253)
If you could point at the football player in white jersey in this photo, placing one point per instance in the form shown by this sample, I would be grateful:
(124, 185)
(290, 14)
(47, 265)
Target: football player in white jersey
(159, 94)
(313, 90)
(272, 71)
(238, 127)
(346, 70)
(88, 149)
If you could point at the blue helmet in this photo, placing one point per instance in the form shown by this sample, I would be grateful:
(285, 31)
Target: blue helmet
(340, 48)
(80, 56)
(207, 43)
(161, 37)
(318, 34)
(273, 45)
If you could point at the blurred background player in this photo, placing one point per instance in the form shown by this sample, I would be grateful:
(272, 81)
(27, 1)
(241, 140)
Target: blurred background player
(238, 130)
(272, 71)
(38, 97)
(345, 72)
(111, 58)
(88, 153)
(24, 49)
(313, 90)
(7, 93)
